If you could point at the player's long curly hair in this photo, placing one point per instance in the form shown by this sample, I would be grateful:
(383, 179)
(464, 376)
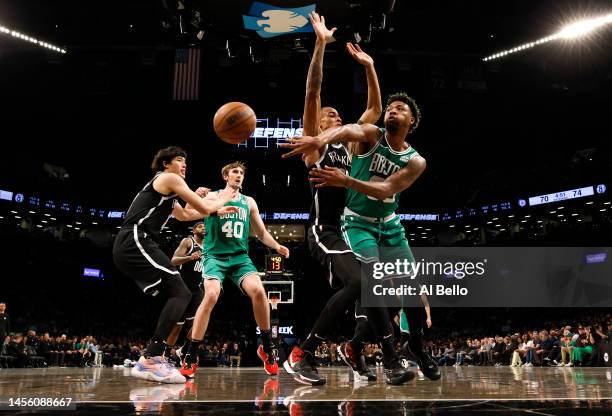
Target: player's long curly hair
(414, 108)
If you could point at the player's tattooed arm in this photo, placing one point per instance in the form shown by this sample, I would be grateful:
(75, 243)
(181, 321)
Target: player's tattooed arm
(261, 232)
(312, 101)
(399, 181)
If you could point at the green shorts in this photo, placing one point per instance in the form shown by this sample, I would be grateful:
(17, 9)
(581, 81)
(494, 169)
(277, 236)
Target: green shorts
(376, 239)
(235, 267)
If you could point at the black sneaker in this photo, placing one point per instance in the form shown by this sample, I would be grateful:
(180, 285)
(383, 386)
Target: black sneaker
(301, 365)
(352, 358)
(364, 371)
(396, 374)
(427, 364)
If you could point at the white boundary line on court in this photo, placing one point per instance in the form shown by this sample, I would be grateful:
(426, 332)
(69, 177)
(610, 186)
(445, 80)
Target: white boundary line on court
(521, 399)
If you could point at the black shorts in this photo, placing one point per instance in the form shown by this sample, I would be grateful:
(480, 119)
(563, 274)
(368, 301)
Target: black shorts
(197, 295)
(138, 256)
(329, 249)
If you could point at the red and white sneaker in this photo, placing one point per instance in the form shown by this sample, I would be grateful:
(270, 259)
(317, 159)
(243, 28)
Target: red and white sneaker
(269, 361)
(188, 369)
(301, 364)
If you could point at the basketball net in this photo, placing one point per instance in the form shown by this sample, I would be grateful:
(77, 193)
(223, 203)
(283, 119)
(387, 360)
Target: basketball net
(274, 302)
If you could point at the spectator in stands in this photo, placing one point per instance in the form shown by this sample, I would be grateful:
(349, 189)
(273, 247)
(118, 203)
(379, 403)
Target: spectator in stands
(461, 354)
(223, 357)
(520, 352)
(235, 355)
(554, 356)
(583, 348)
(566, 347)
(473, 351)
(596, 338)
(498, 351)
(5, 321)
(17, 349)
(84, 348)
(545, 348)
(46, 348)
(511, 343)
(532, 345)
(448, 356)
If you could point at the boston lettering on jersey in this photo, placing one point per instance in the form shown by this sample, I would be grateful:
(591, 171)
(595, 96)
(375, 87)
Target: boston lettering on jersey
(229, 233)
(376, 166)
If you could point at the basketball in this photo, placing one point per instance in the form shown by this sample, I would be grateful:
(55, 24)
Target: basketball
(234, 122)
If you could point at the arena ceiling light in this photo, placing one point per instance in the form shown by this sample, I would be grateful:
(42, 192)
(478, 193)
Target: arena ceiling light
(24, 37)
(571, 31)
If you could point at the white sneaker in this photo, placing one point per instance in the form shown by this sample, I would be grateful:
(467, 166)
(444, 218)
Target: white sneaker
(560, 365)
(529, 365)
(157, 369)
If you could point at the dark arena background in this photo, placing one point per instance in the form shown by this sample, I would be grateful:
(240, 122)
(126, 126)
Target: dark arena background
(516, 108)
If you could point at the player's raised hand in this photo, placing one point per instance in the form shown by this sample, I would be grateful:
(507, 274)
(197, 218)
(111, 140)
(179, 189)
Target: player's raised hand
(322, 32)
(202, 192)
(304, 144)
(359, 55)
(283, 251)
(329, 176)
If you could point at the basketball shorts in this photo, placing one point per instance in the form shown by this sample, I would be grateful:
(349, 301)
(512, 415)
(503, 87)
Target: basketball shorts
(374, 239)
(234, 267)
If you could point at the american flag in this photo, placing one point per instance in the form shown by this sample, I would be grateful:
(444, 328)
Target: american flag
(186, 75)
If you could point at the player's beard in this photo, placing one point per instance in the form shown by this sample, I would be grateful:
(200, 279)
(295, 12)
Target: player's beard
(391, 126)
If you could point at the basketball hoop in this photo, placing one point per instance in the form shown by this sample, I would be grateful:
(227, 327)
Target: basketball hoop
(274, 302)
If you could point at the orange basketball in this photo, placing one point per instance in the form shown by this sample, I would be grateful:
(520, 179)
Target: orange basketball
(234, 122)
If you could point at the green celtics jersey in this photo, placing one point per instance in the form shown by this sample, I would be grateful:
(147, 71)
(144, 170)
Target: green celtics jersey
(228, 234)
(376, 165)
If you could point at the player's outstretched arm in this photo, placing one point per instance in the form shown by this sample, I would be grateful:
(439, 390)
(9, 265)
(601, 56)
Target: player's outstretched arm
(260, 231)
(364, 133)
(374, 106)
(395, 183)
(312, 101)
(201, 207)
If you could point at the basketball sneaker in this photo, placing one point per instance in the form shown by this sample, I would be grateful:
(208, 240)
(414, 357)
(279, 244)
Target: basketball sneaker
(188, 368)
(426, 364)
(301, 364)
(359, 371)
(156, 369)
(269, 361)
(396, 374)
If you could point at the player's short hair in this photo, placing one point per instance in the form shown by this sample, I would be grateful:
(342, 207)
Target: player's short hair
(196, 224)
(166, 155)
(405, 98)
(227, 168)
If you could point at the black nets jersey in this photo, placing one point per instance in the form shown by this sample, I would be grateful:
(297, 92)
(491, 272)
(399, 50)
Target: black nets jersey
(150, 210)
(328, 202)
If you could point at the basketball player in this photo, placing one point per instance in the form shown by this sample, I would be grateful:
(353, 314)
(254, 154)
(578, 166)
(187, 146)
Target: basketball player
(137, 254)
(324, 239)
(187, 258)
(383, 166)
(226, 247)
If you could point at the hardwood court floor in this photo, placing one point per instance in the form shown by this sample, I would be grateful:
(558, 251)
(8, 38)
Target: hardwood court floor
(481, 390)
